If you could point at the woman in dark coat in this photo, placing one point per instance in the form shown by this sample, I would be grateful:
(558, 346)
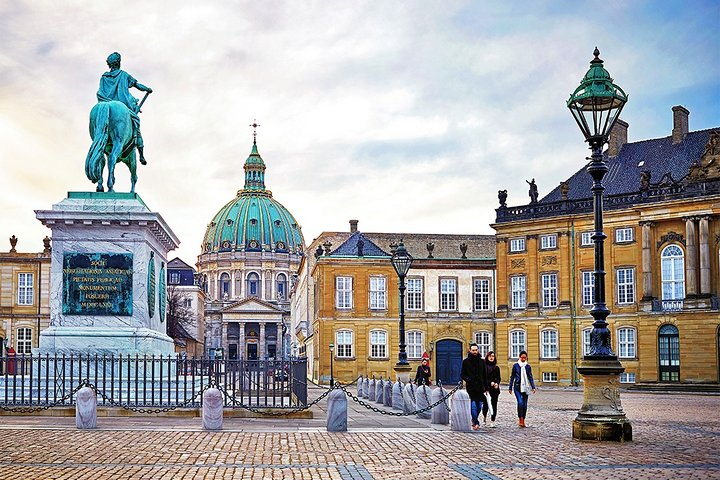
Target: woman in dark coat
(422, 377)
(493, 377)
(521, 382)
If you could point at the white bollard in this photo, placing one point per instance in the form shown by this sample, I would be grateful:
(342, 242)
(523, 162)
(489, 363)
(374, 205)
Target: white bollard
(397, 396)
(408, 402)
(337, 411)
(86, 409)
(371, 390)
(422, 401)
(460, 417)
(440, 414)
(212, 409)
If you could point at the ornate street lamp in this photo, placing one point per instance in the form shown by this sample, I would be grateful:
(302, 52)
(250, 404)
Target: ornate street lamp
(332, 349)
(401, 261)
(596, 105)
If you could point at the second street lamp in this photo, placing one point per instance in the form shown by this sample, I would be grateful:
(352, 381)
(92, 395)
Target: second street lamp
(401, 261)
(332, 354)
(596, 105)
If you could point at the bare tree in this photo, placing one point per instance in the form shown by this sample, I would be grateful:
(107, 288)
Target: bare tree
(181, 318)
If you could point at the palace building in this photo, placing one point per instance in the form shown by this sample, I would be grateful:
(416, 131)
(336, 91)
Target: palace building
(251, 248)
(347, 295)
(24, 298)
(662, 263)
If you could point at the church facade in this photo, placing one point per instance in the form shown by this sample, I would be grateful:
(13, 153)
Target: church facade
(250, 251)
(662, 263)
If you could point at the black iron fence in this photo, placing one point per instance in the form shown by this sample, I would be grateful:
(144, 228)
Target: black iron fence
(151, 381)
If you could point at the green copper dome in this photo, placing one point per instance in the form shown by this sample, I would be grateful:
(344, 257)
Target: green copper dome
(253, 221)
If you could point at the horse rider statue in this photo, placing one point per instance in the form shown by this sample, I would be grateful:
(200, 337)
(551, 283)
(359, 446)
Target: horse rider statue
(115, 85)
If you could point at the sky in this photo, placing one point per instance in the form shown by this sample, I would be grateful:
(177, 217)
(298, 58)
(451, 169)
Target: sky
(408, 116)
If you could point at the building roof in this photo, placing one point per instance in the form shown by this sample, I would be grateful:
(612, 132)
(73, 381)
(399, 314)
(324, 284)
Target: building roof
(176, 263)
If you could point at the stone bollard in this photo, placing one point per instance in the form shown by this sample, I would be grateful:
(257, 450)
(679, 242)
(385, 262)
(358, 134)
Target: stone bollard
(422, 401)
(337, 411)
(366, 382)
(371, 390)
(86, 408)
(380, 391)
(408, 402)
(397, 396)
(440, 414)
(460, 417)
(388, 393)
(359, 386)
(212, 409)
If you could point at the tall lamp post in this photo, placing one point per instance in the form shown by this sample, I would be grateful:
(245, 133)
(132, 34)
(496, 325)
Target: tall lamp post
(596, 105)
(401, 261)
(332, 354)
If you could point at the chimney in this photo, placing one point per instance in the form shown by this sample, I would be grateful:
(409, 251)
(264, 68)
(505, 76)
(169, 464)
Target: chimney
(618, 138)
(680, 123)
(353, 226)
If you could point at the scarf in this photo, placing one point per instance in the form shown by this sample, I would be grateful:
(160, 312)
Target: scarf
(524, 383)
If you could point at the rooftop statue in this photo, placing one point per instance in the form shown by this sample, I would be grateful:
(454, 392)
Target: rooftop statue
(115, 126)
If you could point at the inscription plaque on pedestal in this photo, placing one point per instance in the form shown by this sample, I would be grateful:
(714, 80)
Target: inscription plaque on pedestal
(97, 284)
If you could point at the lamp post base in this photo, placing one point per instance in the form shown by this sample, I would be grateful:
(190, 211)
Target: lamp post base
(402, 372)
(601, 417)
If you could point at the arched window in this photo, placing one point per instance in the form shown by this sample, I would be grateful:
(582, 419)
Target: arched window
(281, 287)
(253, 285)
(224, 286)
(549, 343)
(673, 273)
(586, 341)
(344, 342)
(205, 284)
(517, 343)
(414, 344)
(378, 344)
(627, 342)
(483, 338)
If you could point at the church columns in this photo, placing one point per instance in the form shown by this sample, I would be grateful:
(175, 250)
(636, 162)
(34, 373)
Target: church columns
(241, 342)
(704, 255)
(224, 337)
(692, 261)
(261, 346)
(647, 261)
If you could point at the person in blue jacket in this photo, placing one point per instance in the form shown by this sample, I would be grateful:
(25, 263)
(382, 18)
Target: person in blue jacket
(521, 383)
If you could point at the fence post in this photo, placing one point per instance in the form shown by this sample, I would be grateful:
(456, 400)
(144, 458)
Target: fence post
(212, 409)
(460, 418)
(422, 401)
(440, 414)
(337, 411)
(86, 409)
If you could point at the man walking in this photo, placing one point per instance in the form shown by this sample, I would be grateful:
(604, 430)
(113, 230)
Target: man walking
(475, 376)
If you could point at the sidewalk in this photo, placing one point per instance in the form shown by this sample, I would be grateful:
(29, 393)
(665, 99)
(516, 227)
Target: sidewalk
(675, 437)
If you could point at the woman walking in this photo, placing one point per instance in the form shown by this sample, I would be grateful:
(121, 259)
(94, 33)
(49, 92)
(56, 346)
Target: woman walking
(493, 376)
(422, 376)
(521, 382)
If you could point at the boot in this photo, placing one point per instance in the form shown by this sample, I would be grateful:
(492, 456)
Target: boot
(522, 422)
(142, 157)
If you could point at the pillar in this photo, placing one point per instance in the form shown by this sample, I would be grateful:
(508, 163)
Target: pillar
(691, 264)
(533, 282)
(704, 256)
(241, 342)
(261, 345)
(647, 261)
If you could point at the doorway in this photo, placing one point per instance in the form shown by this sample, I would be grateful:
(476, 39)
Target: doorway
(669, 353)
(448, 361)
(252, 351)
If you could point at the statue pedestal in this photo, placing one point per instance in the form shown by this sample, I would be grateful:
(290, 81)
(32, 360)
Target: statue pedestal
(402, 372)
(601, 417)
(107, 291)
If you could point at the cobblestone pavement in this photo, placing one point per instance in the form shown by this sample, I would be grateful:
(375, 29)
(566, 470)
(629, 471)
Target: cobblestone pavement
(675, 437)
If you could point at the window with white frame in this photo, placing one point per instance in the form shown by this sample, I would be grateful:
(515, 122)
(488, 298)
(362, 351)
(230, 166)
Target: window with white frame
(224, 285)
(586, 239)
(517, 245)
(518, 292)
(23, 341)
(550, 377)
(414, 343)
(25, 288)
(414, 293)
(174, 278)
(673, 273)
(586, 341)
(378, 293)
(344, 344)
(484, 342)
(448, 294)
(517, 343)
(343, 292)
(626, 342)
(549, 289)
(549, 343)
(623, 235)
(378, 344)
(481, 294)
(627, 377)
(281, 286)
(626, 285)
(588, 288)
(548, 242)
(187, 302)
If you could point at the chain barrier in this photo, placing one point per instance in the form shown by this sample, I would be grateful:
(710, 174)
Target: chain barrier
(56, 403)
(398, 414)
(350, 384)
(125, 406)
(443, 396)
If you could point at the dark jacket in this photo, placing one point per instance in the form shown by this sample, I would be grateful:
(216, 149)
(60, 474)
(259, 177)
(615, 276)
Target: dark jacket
(475, 376)
(422, 377)
(515, 378)
(493, 376)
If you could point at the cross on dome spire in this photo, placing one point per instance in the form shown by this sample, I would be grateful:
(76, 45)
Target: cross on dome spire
(254, 125)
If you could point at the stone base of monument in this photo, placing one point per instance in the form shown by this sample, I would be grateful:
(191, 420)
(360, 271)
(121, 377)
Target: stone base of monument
(601, 417)
(108, 268)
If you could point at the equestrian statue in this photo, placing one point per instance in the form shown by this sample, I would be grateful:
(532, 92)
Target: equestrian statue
(115, 126)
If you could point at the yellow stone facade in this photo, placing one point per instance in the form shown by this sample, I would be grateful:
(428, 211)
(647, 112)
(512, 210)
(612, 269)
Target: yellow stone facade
(640, 229)
(24, 298)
